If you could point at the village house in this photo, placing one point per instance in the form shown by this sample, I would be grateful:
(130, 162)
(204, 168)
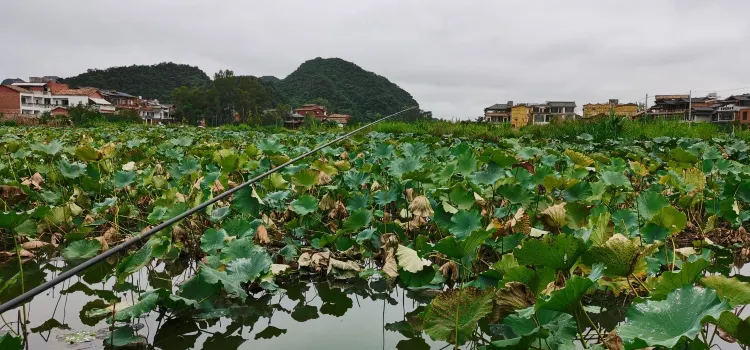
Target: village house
(153, 112)
(43, 97)
(554, 110)
(521, 115)
(312, 110)
(498, 113)
(596, 110)
(121, 100)
(341, 119)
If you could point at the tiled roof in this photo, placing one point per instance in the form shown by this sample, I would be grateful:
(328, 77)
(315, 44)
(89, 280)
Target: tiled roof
(498, 106)
(561, 104)
(76, 92)
(16, 88)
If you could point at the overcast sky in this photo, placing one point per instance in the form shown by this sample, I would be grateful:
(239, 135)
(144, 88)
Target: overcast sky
(454, 57)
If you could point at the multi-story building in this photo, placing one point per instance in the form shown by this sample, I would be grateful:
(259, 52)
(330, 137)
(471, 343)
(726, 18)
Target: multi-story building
(521, 115)
(121, 100)
(312, 110)
(153, 112)
(44, 97)
(595, 110)
(684, 107)
(498, 113)
(554, 110)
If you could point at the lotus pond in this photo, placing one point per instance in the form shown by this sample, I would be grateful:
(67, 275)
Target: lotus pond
(383, 241)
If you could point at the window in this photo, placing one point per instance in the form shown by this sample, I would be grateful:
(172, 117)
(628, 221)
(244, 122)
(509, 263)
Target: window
(744, 115)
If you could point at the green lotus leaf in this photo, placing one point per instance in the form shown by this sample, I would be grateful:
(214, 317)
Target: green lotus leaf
(124, 178)
(52, 148)
(306, 178)
(87, 153)
(71, 170)
(516, 194)
(536, 280)
(463, 223)
(401, 166)
(415, 150)
(600, 230)
(671, 219)
(239, 248)
(733, 290)
(9, 342)
(246, 201)
(555, 251)
(620, 256)
(734, 326)
(686, 276)
(123, 337)
(666, 322)
(453, 315)
(219, 214)
(460, 249)
(615, 178)
(649, 203)
(357, 220)
(250, 269)
(231, 284)
(567, 299)
(134, 262)
(239, 228)
(213, 240)
(83, 249)
(466, 163)
(578, 192)
(304, 205)
(462, 197)
(146, 303)
(383, 150)
(383, 197)
(488, 176)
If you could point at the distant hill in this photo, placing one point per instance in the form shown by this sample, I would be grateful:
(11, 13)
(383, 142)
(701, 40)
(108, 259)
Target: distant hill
(269, 79)
(155, 81)
(11, 81)
(346, 87)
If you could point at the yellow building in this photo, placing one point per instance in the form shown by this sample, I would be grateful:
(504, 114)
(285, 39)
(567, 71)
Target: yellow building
(592, 110)
(521, 115)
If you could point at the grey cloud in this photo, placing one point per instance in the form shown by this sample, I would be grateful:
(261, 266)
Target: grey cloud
(454, 57)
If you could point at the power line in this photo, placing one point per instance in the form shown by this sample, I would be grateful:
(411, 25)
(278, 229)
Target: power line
(15, 302)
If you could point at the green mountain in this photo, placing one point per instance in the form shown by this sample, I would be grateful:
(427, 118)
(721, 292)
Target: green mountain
(345, 87)
(155, 81)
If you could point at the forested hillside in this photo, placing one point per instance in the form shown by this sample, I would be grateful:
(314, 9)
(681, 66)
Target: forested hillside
(346, 87)
(155, 81)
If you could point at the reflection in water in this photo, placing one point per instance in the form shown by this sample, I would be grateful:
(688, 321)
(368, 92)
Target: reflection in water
(321, 314)
(302, 314)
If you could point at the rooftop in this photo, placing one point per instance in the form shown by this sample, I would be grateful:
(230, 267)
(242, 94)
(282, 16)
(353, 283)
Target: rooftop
(76, 92)
(498, 106)
(29, 84)
(16, 88)
(561, 103)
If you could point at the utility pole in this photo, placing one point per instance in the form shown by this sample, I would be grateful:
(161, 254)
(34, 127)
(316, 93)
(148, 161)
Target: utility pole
(690, 106)
(645, 108)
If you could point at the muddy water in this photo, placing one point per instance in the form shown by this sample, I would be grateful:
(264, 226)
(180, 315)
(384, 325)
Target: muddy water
(307, 315)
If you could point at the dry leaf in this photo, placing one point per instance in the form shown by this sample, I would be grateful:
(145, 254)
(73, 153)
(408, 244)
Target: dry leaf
(12, 194)
(261, 235)
(34, 181)
(612, 341)
(420, 207)
(277, 269)
(323, 178)
(450, 271)
(35, 244)
(103, 241)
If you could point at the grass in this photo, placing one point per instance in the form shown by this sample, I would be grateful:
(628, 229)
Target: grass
(602, 129)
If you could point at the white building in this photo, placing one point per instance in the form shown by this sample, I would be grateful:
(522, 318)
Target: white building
(154, 112)
(44, 97)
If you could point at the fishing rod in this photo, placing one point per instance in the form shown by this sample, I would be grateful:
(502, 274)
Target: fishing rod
(17, 301)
